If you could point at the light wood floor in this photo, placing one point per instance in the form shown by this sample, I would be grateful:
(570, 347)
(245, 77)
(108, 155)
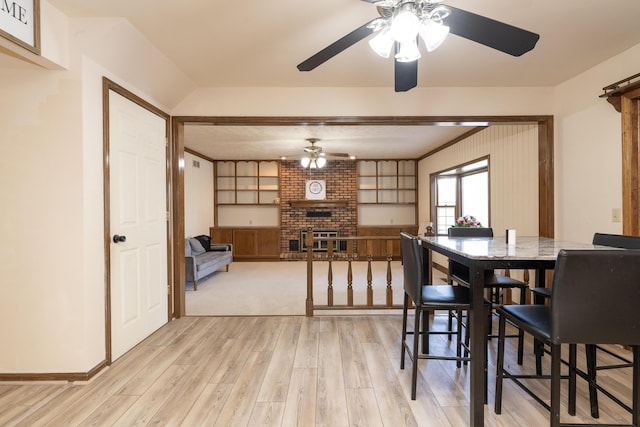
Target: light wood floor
(289, 371)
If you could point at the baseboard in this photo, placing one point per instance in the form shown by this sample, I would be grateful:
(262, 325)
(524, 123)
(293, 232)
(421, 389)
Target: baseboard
(55, 376)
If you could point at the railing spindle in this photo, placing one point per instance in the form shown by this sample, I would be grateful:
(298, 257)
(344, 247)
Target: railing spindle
(389, 288)
(330, 274)
(369, 280)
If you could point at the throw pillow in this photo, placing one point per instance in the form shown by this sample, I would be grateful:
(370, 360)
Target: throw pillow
(187, 248)
(205, 241)
(196, 246)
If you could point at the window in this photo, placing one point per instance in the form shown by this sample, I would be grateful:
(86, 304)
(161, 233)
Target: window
(463, 190)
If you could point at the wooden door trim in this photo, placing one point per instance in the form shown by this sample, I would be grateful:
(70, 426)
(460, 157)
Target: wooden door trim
(545, 161)
(109, 85)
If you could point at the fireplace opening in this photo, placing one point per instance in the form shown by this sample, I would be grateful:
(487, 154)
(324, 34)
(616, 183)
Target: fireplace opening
(320, 246)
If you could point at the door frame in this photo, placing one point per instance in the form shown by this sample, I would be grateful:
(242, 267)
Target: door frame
(107, 86)
(546, 186)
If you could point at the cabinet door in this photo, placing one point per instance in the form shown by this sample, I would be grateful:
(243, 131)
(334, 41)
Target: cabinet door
(245, 243)
(221, 235)
(268, 240)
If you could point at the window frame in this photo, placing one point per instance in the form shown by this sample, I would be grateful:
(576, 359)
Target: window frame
(458, 173)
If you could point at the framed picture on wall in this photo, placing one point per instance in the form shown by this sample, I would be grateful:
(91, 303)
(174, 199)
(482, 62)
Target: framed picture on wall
(316, 189)
(20, 23)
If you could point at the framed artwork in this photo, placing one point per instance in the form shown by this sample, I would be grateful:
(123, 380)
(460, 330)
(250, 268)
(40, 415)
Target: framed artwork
(316, 189)
(20, 23)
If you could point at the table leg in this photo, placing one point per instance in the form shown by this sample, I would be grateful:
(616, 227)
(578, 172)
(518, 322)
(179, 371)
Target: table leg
(478, 343)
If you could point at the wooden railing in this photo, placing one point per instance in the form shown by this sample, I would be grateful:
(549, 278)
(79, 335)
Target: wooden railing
(372, 249)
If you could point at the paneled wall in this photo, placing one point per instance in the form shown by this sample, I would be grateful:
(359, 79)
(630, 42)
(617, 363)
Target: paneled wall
(198, 195)
(513, 176)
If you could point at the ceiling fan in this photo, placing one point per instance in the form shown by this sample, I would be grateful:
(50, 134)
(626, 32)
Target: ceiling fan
(426, 16)
(316, 156)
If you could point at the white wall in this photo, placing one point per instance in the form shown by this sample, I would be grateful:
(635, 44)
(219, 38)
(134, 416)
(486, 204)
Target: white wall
(51, 201)
(588, 150)
(198, 196)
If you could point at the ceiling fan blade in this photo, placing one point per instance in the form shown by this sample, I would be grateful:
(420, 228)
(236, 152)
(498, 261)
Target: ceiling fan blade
(495, 34)
(336, 47)
(337, 154)
(406, 75)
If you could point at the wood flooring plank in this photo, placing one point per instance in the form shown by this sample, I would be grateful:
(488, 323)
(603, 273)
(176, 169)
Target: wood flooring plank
(356, 374)
(146, 406)
(300, 408)
(51, 407)
(276, 382)
(208, 405)
(236, 352)
(175, 331)
(363, 408)
(392, 402)
(182, 397)
(108, 413)
(267, 414)
(331, 403)
(239, 405)
(308, 343)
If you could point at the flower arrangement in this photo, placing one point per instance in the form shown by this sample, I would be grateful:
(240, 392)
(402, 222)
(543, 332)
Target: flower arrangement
(467, 221)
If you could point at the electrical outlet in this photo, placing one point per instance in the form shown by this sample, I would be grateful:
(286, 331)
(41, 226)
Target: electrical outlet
(616, 215)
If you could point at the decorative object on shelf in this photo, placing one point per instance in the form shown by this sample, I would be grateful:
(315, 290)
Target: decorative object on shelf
(429, 231)
(467, 221)
(316, 189)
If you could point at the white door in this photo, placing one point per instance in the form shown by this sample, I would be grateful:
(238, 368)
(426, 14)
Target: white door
(137, 168)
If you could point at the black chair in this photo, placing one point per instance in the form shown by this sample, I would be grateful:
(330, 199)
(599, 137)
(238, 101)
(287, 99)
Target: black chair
(426, 298)
(594, 301)
(494, 283)
(615, 241)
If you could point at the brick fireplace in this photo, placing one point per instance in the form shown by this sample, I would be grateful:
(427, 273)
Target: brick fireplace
(341, 185)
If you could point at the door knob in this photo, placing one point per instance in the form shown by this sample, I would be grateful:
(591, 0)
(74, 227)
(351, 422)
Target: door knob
(119, 239)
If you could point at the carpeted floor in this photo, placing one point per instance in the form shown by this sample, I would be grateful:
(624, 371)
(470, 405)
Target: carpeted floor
(280, 288)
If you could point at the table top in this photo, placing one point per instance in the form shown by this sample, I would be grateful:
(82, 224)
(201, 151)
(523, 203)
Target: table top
(496, 248)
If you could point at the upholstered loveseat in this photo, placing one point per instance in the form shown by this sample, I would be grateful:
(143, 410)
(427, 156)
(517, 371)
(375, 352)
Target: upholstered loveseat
(200, 262)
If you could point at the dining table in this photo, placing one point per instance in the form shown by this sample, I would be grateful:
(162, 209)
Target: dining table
(480, 254)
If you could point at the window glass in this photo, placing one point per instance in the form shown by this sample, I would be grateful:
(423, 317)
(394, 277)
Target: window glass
(474, 190)
(463, 190)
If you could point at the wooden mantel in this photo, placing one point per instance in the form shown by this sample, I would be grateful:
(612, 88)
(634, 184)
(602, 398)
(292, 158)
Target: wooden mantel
(318, 203)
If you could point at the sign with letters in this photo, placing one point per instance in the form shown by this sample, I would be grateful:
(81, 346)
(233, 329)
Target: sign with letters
(20, 23)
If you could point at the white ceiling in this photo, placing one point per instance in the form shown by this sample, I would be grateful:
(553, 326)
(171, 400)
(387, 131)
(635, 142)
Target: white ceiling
(259, 43)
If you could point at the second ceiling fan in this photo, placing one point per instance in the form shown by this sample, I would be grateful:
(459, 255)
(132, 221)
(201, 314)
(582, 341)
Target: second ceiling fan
(400, 23)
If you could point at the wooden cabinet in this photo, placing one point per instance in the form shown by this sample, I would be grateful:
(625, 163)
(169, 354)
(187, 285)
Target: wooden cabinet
(249, 243)
(380, 249)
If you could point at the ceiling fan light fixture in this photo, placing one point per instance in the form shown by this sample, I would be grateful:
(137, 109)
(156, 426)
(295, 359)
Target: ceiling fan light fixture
(408, 51)
(313, 162)
(382, 43)
(405, 23)
(433, 34)
(321, 162)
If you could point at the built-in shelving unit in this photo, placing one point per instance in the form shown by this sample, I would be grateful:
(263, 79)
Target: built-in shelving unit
(387, 181)
(385, 186)
(247, 182)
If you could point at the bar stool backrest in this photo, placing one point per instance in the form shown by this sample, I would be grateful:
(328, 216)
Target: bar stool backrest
(595, 297)
(470, 232)
(412, 267)
(617, 240)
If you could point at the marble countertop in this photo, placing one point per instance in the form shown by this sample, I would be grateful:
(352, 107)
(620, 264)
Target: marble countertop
(525, 248)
